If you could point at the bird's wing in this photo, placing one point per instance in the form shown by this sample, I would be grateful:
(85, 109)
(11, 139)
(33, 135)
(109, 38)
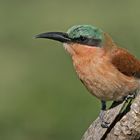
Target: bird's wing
(125, 62)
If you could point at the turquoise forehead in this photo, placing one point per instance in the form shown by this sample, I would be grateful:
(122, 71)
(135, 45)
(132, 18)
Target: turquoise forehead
(86, 31)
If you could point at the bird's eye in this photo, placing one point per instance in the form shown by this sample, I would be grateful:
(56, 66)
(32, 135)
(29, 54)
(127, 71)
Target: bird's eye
(82, 38)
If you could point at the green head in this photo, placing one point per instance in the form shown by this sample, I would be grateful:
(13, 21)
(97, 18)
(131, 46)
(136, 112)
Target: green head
(82, 34)
(85, 31)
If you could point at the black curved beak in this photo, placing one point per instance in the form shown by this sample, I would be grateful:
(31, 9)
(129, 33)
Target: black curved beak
(58, 36)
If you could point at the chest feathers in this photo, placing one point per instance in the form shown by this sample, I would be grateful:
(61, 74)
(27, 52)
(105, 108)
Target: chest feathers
(100, 77)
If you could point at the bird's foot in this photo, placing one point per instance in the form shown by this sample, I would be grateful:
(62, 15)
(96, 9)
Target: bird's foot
(104, 123)
(130, 96)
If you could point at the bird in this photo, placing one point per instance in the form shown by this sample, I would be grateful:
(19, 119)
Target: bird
(109, 72)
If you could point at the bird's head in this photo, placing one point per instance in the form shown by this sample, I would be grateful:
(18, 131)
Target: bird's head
(81, 34)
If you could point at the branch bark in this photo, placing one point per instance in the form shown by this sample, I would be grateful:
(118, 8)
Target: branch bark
(124, 124)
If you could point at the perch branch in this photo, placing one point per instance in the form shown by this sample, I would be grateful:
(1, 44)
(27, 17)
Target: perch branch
(124, 124)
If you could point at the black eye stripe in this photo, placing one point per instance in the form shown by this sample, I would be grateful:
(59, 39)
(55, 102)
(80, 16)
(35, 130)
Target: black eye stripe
(83, 38)
(87, 41)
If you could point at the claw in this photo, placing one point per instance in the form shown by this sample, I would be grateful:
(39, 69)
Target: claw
(130, 96)
(104, 124)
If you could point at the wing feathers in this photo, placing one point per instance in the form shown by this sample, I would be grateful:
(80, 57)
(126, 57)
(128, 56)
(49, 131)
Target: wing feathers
(125, 62)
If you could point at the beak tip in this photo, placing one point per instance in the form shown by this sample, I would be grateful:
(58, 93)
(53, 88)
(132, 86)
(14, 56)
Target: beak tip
(36, 36)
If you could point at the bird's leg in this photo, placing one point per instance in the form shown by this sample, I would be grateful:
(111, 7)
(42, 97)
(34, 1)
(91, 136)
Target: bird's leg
(104, 124)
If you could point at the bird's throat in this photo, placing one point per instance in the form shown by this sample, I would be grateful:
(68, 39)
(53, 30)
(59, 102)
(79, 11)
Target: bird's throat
(81, 50)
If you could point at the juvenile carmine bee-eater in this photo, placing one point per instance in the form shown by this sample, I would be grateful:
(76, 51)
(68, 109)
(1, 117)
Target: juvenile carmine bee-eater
(107, 71)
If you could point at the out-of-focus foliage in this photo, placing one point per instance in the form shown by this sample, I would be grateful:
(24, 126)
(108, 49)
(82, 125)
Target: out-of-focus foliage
(41, 97)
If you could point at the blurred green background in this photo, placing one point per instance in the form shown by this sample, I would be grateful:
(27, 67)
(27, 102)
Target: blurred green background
(41, 97)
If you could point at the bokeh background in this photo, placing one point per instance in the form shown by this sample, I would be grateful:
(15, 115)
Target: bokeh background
(41, 97)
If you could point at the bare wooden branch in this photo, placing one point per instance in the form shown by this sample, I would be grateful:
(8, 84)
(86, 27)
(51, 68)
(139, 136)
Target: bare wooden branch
(124, 124)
